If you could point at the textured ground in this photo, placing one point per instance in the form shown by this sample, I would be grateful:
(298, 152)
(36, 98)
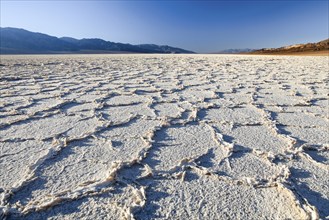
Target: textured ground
(164, 137)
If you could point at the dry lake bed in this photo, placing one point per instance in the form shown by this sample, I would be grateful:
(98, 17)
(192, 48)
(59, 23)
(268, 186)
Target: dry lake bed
(164, 137)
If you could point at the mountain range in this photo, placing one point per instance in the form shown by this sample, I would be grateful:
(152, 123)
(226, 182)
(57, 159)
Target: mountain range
(20, 41)
(321, 46)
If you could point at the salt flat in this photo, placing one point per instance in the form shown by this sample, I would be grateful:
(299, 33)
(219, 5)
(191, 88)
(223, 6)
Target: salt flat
(164, 137)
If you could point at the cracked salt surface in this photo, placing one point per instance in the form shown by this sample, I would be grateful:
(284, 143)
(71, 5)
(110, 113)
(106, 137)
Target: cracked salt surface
(164, 137)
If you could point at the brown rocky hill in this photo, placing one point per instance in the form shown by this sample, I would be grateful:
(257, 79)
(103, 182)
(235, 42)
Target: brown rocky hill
(296, 48)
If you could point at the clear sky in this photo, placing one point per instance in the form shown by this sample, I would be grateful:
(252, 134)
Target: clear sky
(202, 26)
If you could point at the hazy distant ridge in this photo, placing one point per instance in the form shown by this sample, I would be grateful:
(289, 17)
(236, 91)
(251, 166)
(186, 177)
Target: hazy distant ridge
(236, 51)
(20, 41)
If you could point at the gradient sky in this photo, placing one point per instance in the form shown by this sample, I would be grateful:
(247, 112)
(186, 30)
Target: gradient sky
(201, 26)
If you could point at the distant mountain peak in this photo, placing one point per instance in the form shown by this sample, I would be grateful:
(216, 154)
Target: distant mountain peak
(17, 40)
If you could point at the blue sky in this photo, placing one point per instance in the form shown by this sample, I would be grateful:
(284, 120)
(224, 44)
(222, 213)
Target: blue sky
(202, 26)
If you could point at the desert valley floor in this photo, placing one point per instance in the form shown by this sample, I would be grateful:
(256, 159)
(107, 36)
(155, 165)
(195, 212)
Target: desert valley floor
(164, 137)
